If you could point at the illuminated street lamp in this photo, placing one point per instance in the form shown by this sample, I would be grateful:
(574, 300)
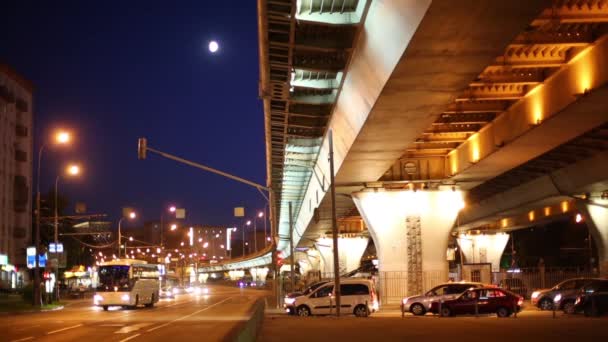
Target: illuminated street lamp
(60, 138)
(71, 170)
(171, 209)
(130, 216)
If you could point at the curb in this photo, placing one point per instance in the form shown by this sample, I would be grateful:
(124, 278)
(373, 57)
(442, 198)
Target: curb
(32, 311)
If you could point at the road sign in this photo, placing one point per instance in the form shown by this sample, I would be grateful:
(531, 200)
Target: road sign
(239, 212)
(31, 258)
(81, 208)
(56, 248)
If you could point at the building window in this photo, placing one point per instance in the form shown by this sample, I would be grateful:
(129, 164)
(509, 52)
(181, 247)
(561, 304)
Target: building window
(20, 130)
(20, 156)
(20, 194)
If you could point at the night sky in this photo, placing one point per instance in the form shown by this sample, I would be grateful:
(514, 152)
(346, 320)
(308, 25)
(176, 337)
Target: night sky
(114, 71)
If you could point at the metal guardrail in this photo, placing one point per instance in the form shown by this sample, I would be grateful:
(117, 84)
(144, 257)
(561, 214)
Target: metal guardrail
(261, 258)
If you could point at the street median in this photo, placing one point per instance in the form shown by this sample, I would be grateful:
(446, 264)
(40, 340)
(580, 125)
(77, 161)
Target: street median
(248, 330)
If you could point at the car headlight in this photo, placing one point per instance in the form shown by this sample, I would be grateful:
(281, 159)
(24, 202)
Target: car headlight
(97, 298)
(197, 291)
(175, 291)
(535, 294)
(290, 301)
(205, 291)
(557, 298)
(125, 297)
(404, 301)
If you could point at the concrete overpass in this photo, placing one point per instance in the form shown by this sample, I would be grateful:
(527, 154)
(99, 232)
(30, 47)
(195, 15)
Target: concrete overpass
(430, 102)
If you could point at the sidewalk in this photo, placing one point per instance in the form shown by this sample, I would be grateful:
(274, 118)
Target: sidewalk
(14, 304)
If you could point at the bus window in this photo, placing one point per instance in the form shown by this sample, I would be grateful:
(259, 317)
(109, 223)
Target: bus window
(113, 276)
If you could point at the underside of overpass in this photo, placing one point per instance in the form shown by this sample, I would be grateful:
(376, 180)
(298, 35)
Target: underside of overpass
(487, 98)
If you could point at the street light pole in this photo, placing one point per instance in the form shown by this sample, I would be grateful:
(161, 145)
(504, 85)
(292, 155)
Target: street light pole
(119, 236)
(334, 224)
(56, 224)
(255, 237)
(37, 294)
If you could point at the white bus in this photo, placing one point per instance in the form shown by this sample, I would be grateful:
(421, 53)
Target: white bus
(127, 283)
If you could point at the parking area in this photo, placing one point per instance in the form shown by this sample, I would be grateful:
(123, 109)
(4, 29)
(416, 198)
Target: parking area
(530, 324)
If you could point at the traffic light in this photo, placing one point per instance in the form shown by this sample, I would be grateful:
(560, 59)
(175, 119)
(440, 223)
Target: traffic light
(279, 258)
(142, 145)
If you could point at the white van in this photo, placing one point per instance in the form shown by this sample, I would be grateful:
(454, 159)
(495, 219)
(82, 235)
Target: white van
(358, 297)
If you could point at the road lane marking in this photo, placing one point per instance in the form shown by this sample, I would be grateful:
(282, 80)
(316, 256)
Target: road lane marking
(190, 315)
(24, 339)
(131, 328)
(63, 329)
(130, 337)
(112, 325)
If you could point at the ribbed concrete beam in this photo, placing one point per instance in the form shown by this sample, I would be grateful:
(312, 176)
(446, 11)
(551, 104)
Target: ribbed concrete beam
(452, 45)
(587, 176)
(549, 115)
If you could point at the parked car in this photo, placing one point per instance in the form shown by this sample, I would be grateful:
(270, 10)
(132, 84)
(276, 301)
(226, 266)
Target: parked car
(419, 305)
(306, 291)
(516, 285)
(567, 289)
(487, 300)
(358, 296)
(593, 299)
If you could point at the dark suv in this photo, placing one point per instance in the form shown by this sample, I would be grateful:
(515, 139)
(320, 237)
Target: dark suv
(567, 291)
(593, 299)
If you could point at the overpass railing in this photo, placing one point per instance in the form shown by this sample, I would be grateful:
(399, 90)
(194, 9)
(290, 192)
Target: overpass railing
(261, 258)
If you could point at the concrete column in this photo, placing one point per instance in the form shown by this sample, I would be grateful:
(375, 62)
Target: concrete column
(483, 248)
(410, 230)
(596, 217)
(351, 250)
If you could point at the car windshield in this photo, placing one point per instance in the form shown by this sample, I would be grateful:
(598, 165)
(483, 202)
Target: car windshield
(312, 287)
(114, 278)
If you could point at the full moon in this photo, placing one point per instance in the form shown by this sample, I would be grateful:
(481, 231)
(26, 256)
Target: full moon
(213, 46)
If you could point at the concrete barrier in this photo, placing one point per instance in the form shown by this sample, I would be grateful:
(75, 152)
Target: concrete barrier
(248, 330)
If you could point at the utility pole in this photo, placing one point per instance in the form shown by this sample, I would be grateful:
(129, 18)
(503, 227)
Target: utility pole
(291, 259)
(334, 223)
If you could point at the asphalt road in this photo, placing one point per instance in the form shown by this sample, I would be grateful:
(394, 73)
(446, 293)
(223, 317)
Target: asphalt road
(530, 325)
(185, 318)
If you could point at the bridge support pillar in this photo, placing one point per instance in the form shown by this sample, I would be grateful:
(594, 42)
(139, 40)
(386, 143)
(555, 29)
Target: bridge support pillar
(351, 250)
(596, 216)
(483, 248)
(411, 231)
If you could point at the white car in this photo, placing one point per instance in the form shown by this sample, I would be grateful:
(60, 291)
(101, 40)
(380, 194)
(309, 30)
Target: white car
(421, 304)
(358, 297)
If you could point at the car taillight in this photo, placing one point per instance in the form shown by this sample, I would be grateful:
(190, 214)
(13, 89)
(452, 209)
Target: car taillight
(520, 301)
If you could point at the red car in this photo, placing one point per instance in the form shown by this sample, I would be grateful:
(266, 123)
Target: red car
(488, 300)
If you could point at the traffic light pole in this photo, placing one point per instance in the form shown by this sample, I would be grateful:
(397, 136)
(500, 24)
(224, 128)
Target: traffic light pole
(334, 224)
(142, 148)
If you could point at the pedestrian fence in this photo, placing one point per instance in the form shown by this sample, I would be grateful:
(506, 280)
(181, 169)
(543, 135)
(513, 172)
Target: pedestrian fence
(393, 286)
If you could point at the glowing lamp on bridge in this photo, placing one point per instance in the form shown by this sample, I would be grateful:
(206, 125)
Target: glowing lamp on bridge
(531, 215)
